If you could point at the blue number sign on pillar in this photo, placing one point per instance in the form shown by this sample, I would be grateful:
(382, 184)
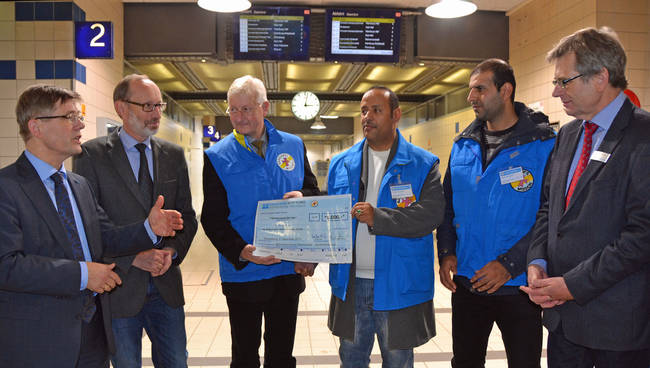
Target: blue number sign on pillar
(93, 40)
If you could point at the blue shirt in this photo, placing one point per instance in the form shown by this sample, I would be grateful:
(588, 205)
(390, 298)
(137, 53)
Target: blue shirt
(603, 120)
(44, 171)
(133, 154)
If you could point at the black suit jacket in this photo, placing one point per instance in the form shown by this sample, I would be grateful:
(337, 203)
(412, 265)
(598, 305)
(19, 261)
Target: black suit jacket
(601, 243)
(40, 300)
(104, 163)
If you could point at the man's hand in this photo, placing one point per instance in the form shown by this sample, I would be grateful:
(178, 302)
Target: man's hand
(540, 287)
(364, 212)
(155, 261)
(101, 277)
(447, 272)
(164, 222)
(490, 277)
(304, 268)
(292, 194)
(247, 254)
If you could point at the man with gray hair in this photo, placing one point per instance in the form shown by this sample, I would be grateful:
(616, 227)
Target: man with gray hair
(256, 162)
(127, 168)
(589, 260)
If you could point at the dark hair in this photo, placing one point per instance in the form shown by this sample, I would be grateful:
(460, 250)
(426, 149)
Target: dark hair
(502, 73)
(594, 49)
(393, 101)
(121, 91)
(37, 100)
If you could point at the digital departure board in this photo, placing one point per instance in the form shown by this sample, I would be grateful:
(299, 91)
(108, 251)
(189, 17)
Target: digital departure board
(370, 35)
(272, 34)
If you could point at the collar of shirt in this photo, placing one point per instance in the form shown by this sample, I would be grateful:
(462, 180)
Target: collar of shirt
(43, 169)
(129, 142)
(605, 117)
(132, 153)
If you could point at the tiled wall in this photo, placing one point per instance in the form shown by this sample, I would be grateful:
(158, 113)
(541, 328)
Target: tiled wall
(538, 25)
(37, 46)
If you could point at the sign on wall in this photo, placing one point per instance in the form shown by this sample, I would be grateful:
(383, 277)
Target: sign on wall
(93, 40)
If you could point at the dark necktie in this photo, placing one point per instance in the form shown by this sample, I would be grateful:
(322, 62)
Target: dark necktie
(590, 128)
(64, 207)
(144, 179)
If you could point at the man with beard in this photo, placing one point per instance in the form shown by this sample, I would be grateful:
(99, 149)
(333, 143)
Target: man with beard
(127, 169)
(397, 202)
(492, 188)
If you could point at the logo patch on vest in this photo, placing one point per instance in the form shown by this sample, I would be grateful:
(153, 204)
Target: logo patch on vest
(286, 162)
(525, 184)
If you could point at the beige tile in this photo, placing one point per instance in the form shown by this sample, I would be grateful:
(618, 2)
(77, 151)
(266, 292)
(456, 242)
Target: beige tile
(25, 69)
(22, 84)
(8, 146)
(43, 50)
(63, 83)
(7, 89)
(7, 10)
(44, 31)
(7, 30)
(8, 128)
(63, 50)
(7, 108)
(24, 31)
(64, 30)
(7, 50)
(24, 50)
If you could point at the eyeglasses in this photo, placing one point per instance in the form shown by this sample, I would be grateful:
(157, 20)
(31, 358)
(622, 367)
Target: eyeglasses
(563, 82)
(75, 117)
(147, 107)
(243, 110)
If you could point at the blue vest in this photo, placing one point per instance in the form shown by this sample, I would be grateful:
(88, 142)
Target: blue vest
(490, 217)
(248, 178)
(403, 266)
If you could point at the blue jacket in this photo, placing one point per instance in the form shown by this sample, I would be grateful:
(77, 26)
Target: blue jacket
(248, 178)
(489, 220)
(403, 266)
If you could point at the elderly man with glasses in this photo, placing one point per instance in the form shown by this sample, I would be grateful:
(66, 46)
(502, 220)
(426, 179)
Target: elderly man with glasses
(127, 169)
(256, 162)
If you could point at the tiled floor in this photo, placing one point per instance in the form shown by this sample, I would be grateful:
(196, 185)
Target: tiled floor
(208, 330)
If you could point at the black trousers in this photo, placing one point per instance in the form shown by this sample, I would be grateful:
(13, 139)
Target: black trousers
(562, 353)
(279, 309)
(473, 316)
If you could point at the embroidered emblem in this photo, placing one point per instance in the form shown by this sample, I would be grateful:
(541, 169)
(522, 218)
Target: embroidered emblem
(314, 204)
(285, 162)
(525, 184)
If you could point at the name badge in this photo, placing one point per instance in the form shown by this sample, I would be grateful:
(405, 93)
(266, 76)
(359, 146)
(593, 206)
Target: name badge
(398, 191)
(511, 175)
(600, 156)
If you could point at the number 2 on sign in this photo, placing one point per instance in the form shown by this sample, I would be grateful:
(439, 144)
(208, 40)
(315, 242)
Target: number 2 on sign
(93, 42)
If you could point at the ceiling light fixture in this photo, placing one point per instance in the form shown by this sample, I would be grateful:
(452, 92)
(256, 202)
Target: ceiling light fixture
(221, 6)
(450, 8)
(317, 124)
(329, 116)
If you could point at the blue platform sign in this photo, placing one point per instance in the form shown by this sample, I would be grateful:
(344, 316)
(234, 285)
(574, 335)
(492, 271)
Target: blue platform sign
(93, 40)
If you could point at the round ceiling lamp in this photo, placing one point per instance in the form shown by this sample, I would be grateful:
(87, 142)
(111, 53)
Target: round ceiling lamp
(450, 9)
(222, 6)
(318, 124)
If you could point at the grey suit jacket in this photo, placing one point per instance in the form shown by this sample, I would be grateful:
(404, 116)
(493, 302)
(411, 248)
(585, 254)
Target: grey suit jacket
(104, 163)
(40, 300)
(601, 243)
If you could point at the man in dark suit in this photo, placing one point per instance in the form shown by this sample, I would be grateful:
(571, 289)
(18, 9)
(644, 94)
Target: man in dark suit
(151, 294)
(589, 261)
(53, 235)
(256, 162)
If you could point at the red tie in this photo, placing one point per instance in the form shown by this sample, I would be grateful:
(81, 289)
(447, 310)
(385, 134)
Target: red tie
(590, 128)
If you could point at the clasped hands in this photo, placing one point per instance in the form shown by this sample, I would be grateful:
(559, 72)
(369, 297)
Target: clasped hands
(102, 278)
(547, 292)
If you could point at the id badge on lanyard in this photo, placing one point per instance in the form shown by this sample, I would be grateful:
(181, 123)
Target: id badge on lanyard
(402, 193)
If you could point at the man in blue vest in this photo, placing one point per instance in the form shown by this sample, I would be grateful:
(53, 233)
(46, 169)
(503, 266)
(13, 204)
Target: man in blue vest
(256, 162)
(492, 188)
(398, 202)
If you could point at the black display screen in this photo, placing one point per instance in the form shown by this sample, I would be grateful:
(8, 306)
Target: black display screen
(271, 34)
(370, 35)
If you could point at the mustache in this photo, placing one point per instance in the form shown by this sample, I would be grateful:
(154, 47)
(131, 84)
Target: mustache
(369, 124)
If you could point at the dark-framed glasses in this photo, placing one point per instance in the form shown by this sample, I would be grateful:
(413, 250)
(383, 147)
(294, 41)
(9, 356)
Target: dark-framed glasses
(74, 116)
(563, 82)
(147, 107)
